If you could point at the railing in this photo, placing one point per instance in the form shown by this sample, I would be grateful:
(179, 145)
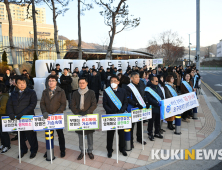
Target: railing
(211, 67)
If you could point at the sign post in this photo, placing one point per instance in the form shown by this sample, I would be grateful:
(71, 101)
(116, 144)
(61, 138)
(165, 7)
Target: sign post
(138, 115)
(116, 122)
(87, 122)
(19, 146)
(53, 122)
(23, 124)
(83, 132)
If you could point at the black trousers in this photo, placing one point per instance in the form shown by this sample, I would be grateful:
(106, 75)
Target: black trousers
(156, 121)
(4, 136)
(138, 132)
(97, 97)
(68, 97)
(110, 136)
(185, 114)
(61, 139)
(32, 138)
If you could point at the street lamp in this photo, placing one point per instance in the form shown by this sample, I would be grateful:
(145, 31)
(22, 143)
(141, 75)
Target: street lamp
(189, 49)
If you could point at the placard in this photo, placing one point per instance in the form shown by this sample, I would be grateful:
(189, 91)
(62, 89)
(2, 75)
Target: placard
(116, 121)
(178, 105)
(141, 114)
(25, 123)
(147, 113)
(53, 122)
(87, 122)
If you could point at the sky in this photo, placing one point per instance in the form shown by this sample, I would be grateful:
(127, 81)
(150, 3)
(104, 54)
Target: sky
(156, 16)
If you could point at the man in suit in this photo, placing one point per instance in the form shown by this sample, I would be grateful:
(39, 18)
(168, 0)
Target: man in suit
(23, 102)
(111, 108)
(83, 103)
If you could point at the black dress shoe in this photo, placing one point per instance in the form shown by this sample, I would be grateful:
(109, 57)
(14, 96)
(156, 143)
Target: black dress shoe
(158, 136)
(32, 155)
(22, 154)
(109, 155)
(124, 153)
(80, 156)
(63, 154)
(91, 156)
(140, 141)
(151, 137)
(45, 155)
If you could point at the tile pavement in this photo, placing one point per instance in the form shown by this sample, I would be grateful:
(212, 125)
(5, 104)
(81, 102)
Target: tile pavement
(192, 133)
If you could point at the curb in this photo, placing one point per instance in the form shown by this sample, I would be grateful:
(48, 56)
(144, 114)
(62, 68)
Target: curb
(202, 144)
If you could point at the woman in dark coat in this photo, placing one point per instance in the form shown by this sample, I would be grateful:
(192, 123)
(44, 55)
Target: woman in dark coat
(184, 90)
(169, 81)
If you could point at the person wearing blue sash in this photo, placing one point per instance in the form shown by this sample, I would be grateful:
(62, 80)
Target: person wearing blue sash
(114, 102)
(186, 87)
(133, 102)
(170, 91)
(154, 95)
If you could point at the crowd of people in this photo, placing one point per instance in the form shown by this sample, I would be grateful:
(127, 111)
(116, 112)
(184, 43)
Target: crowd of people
(133, 88)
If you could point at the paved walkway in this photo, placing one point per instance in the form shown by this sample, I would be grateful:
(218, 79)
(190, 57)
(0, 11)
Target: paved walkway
(192, 133)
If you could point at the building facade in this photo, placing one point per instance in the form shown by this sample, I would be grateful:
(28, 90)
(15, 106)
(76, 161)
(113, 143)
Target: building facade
(219, 49)
(20, 13)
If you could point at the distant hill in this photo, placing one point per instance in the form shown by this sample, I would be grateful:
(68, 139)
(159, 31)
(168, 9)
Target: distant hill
(213, 47)
(203, 50)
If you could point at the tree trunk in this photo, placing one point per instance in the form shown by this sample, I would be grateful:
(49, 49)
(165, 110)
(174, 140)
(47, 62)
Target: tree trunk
(34, 28)
(109, 50)
(12, 48)
(79, 32)
(55, 31)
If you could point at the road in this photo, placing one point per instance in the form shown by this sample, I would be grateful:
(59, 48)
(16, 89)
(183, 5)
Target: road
(213, 78)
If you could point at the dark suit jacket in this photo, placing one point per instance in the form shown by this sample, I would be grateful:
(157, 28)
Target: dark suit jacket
(110, 107)
(24, 105)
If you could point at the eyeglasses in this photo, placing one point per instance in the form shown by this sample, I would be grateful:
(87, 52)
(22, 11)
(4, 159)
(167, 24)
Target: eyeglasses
(52, 81)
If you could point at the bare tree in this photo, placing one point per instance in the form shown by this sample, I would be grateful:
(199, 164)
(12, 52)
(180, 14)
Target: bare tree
(56, 12)
(115, 16)
(80, 12)
(11, 43)
(32, 2)
(168, 45)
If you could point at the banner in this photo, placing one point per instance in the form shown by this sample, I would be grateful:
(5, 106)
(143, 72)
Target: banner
(141, 114)
(25, 123)
(87, 122)
(157, 61)
(116, 121)
(177, 105)
(53, 122)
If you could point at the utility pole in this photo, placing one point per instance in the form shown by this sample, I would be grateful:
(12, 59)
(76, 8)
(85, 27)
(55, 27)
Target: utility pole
(189, 49)
(198, 34)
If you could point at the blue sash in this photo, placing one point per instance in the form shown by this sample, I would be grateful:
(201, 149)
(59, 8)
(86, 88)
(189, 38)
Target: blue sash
(195, 80)
(113, 97)
(189, 88)
(153, 93)
(172, 91)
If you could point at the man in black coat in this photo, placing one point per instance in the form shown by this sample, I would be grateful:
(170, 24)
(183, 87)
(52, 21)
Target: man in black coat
(155, 109)
(58, 70)
(108, 75)
(134, 103)
(66, 81)
(111, 108)
(103, 78)
(95, 84)
(23, 102)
